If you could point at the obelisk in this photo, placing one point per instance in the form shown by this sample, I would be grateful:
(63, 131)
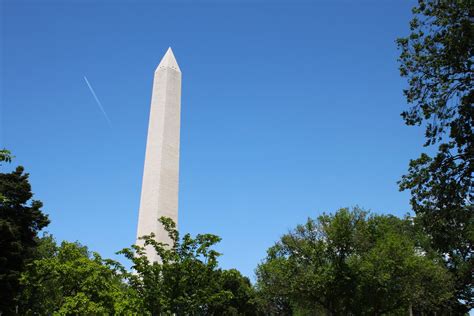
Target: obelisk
(160, 183)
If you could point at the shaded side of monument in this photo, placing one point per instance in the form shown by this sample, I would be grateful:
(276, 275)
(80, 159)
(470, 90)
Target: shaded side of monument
(160, 185)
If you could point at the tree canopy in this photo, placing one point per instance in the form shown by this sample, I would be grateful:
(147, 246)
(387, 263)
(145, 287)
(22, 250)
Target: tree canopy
(69, 280)
(186, 280)
(20, 220)
(352, 263)
(437, 60)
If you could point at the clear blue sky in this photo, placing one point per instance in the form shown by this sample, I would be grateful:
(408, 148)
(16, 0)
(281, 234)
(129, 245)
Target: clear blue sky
(289, 109)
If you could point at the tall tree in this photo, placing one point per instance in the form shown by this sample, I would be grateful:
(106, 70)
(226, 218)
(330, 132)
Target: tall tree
(20, 220)
(437, 59)
(352, 263)
(186, 280)
(70, 280)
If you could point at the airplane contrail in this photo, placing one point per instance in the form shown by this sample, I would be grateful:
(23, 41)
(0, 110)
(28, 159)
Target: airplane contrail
(98, 102)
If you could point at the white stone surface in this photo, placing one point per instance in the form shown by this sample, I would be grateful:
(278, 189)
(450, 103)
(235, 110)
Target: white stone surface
(160, 184)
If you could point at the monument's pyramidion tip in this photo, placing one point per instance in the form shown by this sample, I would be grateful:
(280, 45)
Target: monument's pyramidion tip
(169, 61)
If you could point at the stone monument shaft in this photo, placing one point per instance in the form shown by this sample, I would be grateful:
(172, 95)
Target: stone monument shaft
(160, 184)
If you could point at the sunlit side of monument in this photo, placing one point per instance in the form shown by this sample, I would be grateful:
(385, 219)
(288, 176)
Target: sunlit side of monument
(159, 196)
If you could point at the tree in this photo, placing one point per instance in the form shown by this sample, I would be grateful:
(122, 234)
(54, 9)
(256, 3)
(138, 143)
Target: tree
(437, 60)
(186, 280)
(20, 221)
(69, 280)
(243, 300)
(352, 263)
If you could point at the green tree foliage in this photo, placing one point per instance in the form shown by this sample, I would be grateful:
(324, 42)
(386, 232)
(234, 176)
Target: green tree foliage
(5, 155)
(69, 280)
(243, 300)
(437, 60)
(186, 280)
(20, 220)
(352, 263)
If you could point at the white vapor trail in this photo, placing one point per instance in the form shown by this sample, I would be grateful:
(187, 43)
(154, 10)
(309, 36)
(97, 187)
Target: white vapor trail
(98, 102)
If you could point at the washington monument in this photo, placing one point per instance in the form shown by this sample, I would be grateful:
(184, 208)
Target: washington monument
(160, 183)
